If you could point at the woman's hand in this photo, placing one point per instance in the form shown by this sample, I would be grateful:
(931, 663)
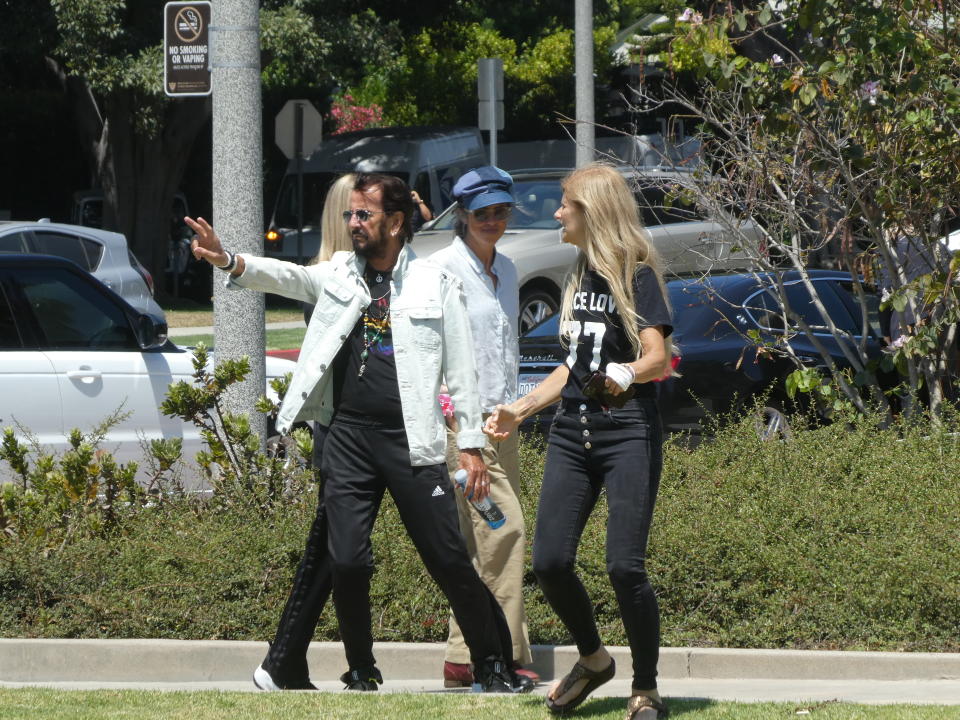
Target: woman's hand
(502, 422)
(205, 244)
(653, 362)
(620, 377)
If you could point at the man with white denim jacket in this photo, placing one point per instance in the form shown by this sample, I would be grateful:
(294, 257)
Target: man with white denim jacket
(387, 330)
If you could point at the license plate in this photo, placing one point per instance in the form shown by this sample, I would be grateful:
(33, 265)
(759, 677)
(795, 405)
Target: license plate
(528, 381)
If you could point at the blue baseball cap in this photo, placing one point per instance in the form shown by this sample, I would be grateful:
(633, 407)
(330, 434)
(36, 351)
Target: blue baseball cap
(484, 186)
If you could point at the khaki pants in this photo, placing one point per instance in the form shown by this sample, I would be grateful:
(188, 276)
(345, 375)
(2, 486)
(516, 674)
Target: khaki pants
(497, 554)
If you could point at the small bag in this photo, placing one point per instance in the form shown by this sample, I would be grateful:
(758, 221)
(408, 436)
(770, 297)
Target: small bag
(595, 388)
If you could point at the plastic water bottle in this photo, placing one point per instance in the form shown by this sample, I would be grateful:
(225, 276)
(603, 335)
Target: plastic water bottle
(487, 508)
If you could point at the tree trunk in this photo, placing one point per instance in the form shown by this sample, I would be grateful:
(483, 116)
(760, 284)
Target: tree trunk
(139, 174)
(146, 174)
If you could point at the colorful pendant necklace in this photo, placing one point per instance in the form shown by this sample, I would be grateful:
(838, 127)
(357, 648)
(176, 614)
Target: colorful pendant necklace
(373, 327)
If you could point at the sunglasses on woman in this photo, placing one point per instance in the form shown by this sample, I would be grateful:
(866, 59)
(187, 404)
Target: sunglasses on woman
(488, 213)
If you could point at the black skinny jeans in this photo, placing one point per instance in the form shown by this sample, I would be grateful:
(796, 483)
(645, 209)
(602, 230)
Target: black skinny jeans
(361, 460)
(590, 448)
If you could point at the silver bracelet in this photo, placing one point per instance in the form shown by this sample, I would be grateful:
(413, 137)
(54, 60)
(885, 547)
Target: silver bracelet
(231, 263)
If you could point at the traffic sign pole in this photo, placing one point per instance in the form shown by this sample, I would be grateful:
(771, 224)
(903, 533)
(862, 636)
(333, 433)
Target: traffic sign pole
(490, 94)
(492, 116)
(298, 150)
(298, 130)
(583, 69)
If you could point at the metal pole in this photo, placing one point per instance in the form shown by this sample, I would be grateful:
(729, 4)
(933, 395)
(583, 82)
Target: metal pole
(238, 317)
(583, 67)
(298, 153)
(492, 105)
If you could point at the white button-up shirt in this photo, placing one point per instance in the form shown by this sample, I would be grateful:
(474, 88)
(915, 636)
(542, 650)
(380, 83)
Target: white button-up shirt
(493, 313)
(431, 337)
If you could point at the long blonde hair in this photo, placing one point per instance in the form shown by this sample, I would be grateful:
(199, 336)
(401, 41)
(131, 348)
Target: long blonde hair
(616, 241)
(334, 233)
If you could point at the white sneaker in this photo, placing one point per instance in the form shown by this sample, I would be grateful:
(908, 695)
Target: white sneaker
(263, 681)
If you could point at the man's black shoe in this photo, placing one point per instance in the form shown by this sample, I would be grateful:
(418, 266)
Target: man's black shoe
(364, 680)
(493, 676)
(521, 683)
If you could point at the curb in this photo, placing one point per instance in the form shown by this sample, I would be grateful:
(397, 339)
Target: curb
(159, 661)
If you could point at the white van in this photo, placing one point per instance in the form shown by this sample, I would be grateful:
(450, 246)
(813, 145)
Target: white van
(429, 160)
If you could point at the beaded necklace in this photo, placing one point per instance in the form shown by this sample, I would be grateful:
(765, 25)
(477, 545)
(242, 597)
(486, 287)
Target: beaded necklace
(373, 327)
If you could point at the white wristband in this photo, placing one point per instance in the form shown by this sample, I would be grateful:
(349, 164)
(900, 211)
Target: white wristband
(231, 263)
(621, 374)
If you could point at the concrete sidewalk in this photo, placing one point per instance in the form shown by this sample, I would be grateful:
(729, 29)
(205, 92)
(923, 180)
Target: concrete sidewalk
(717, 673)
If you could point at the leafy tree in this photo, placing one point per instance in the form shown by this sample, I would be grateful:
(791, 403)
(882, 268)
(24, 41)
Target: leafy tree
(417, 59)
(435, 78)
(106, 56)
(833, 125)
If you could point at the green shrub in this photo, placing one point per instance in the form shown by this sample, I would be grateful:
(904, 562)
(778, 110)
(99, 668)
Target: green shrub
(843, 537)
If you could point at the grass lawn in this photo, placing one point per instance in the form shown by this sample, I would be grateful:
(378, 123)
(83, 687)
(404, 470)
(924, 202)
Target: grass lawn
(201, 316)
(30, 703)
(276, 339)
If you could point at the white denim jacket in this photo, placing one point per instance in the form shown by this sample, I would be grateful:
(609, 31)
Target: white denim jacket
(431, 339)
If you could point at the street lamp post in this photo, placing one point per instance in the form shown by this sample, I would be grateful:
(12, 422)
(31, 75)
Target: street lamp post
(583, 65)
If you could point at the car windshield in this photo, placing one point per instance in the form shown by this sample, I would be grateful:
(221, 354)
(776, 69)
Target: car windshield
(539, 198)
(537, 201)
(315, 187)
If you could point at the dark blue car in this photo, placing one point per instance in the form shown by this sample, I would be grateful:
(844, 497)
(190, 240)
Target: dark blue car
(721, 370)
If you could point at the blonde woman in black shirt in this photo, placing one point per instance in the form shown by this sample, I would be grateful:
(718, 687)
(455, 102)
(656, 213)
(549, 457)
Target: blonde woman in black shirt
(615, 321)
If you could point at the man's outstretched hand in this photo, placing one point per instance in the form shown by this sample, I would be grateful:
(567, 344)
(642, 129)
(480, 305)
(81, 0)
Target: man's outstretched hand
(205, 244)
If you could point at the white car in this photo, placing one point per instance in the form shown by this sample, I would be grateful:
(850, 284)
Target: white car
(953, 241)
(72, 353)
(102, 253)
(688, 241)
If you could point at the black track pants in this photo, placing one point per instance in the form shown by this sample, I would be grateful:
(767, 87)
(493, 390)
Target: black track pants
(287, 658)
(361, 460)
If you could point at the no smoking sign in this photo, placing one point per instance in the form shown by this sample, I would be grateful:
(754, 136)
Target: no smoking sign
(186, 36)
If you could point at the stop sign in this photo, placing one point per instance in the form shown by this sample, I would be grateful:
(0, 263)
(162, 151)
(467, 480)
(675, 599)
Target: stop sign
(285, 130)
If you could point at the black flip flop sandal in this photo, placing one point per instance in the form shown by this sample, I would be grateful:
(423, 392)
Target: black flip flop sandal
(594, 678)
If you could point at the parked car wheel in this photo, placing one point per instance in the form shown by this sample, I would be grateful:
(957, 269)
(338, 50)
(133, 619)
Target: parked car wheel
(536, 305)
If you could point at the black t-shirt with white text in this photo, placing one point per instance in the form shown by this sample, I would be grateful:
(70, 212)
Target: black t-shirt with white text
(597, 336)
(375, 392)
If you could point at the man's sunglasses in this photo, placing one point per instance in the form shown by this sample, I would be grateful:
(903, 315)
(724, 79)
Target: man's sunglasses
(487, 214)
(362, 215)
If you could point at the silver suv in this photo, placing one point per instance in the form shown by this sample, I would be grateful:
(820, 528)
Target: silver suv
(103, 254)
(688, 241)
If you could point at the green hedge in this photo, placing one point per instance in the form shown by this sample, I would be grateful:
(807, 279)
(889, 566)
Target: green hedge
(843, 537)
